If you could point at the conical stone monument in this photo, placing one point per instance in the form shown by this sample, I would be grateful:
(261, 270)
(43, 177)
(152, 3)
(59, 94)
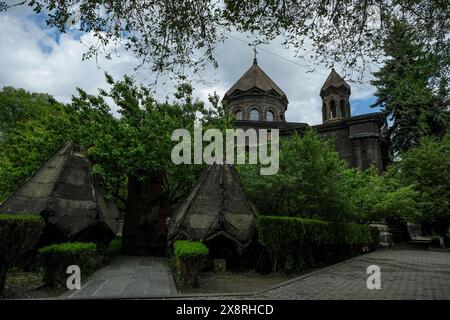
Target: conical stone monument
(217, 212)
(65, 194)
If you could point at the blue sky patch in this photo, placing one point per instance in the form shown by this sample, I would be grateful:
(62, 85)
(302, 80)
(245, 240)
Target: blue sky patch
(362, 106)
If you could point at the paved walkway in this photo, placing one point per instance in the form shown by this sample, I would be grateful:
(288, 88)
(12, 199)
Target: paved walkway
(128, 276)
(405, 274)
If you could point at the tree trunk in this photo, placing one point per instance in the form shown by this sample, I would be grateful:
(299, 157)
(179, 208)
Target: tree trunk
(145, 229)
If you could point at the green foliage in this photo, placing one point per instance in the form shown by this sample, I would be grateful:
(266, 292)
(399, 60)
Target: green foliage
(411, 88)
(19, 105)
(172, 36)
(313, 181)
(56, 258)
(114, 247)
(69, 248)
(373, 197)
(309, 180)
(310, 241)
(427, 169)
(18, 235)
(33, 127)
(190, 258)
(185, 249)
(138, 143)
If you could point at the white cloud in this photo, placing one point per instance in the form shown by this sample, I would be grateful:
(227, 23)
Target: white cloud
(31, 58)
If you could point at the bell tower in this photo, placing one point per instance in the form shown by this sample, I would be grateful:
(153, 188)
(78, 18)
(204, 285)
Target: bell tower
(335, 94)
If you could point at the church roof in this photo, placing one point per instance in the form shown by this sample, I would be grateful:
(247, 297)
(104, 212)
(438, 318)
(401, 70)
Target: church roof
(255, 77)
(334, 80)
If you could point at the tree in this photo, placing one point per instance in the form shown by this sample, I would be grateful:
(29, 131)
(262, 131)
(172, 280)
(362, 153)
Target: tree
(313, 181)
(172, 35)
(374, 197)
(135, 147)
(308, 183)
(19, 105)
(405, 89)
(33, 127)
(427, 168)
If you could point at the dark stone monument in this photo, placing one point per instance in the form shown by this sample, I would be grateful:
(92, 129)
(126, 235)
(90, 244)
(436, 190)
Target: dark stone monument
(219, 213)
(66, 195)
(145, 229)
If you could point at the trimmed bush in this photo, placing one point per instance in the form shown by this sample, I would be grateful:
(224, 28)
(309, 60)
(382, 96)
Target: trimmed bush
(18, 235)
(57, 257)
(190, 259)
(308, 241)
(114, 247)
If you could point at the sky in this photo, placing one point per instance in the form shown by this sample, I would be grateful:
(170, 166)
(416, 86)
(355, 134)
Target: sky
(41, 59)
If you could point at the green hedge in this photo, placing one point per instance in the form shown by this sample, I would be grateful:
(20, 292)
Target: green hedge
(190, 256)
(18, 235)
(57, 257)
(114, 247)
(308, 242)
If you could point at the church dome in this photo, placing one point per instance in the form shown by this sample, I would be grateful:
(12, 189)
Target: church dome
(256, 97)
(255, 78)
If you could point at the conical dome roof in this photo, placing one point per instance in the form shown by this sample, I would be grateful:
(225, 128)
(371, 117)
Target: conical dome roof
(64, 192)
(255, 77)
(334, 80)
(217, 206)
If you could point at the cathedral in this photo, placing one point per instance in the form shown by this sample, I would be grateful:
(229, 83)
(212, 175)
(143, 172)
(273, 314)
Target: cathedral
(257, 102)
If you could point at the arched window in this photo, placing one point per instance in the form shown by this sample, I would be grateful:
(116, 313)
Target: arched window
(254, 115)
(269, 116)
(342, 106)
(239, 115)
(333, 113)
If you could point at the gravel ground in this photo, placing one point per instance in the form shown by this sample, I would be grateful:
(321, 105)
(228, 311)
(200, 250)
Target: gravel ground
(235, 282)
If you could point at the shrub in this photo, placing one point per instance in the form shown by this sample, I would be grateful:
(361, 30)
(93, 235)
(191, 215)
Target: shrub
(190, 258)
(18, 235)
(57, 257)
(114, 247)
(310, 241)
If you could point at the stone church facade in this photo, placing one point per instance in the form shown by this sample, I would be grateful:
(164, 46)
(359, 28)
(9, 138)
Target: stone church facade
(257, 102)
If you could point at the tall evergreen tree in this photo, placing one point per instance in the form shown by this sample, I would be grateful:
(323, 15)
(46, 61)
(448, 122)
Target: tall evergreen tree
(406, 91)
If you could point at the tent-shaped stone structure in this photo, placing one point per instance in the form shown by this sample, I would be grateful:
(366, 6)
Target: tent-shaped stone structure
(65, 194)
(217, 212)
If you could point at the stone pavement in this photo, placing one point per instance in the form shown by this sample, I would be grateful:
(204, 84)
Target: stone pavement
(405, 274)
(128, 276)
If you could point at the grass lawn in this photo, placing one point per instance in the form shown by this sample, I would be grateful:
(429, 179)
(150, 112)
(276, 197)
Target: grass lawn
(28, 285)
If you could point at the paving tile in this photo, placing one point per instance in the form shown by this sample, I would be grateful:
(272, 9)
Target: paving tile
(129, 276)
(134, 288)
(113, 287)
(405, 274)
(88, 289)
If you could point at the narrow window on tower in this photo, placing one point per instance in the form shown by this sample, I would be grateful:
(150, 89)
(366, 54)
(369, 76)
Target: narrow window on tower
(333, 109)
(343, 109)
